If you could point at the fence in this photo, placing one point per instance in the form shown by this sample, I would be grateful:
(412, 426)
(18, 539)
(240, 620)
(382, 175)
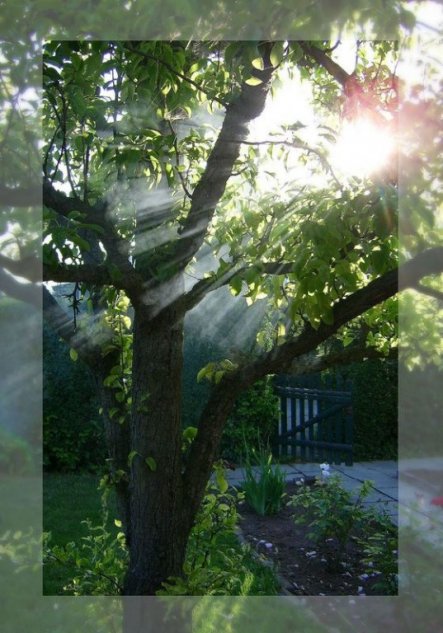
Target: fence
(315, 425)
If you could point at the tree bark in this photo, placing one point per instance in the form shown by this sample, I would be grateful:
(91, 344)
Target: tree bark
(158, 534)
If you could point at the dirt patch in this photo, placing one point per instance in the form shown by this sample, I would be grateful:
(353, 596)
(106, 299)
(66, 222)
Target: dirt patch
(305, 568)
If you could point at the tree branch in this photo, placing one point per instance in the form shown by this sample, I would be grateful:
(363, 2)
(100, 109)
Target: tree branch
(326, 62)
(300, 145)
(209, 284)
(29, 267)
(116, 247)
(95, 275)
(64, 205)
(211, 186)
(352, 354)
(281, 358)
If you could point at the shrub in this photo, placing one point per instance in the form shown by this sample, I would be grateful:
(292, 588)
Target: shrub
(253, 422)
(380, 555)
(375, 410)
(374, 386)
(331, 512)
(97, 565)
(263, 489)
(73, 436)
(216, 563)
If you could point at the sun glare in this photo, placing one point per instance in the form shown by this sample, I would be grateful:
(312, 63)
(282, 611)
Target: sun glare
(362, 148)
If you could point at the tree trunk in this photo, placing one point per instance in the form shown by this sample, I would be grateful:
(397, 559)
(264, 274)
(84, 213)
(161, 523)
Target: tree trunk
(158, 534)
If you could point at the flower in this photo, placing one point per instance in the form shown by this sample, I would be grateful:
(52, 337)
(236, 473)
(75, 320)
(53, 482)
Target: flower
(325, 470)
(437, 501)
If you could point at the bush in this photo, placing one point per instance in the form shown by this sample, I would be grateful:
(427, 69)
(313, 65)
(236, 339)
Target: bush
(73, 436)
(253, 422)
(216, 563)
(375, 410)
(374, 386)
(331, 512)
(381, 555)
(264, 489)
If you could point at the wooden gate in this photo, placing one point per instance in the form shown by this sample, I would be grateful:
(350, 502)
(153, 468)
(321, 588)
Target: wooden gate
(315, 425)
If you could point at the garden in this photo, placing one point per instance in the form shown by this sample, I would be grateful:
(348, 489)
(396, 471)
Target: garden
(265, 536)
(219, 215)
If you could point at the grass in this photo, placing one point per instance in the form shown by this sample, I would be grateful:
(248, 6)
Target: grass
(69, 499)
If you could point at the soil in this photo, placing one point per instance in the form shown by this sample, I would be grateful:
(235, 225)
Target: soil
(303, 567)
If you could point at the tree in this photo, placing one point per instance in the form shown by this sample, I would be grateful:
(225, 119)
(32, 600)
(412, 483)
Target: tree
(134, 189)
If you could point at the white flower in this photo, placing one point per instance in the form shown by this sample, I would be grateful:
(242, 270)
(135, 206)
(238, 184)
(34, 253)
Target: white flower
(325, 470)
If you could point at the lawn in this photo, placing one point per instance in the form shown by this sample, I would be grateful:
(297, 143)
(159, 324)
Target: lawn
(69, 499)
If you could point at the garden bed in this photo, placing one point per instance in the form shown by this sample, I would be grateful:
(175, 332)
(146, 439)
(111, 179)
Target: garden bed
(304, 567)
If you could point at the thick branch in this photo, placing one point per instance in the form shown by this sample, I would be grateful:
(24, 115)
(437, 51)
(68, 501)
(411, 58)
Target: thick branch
(430, 292)
(326, 62)
(64, 205)
(225, 152)
(352, 354)
(29, 267)
(116, 247)
(86, 273)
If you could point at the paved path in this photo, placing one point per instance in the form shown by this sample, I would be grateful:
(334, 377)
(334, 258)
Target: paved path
(383, 474)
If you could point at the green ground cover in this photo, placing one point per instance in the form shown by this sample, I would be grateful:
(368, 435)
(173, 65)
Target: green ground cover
(71, 498)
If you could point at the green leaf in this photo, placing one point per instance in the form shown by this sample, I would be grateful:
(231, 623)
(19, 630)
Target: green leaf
(221, 480)
(151, 463)
(81, 243)
(190, 433)
(277, 53)
(218, 376)
(131, 456)
(253, 81)
(235, 285)
(73, 354)
(258, 63)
